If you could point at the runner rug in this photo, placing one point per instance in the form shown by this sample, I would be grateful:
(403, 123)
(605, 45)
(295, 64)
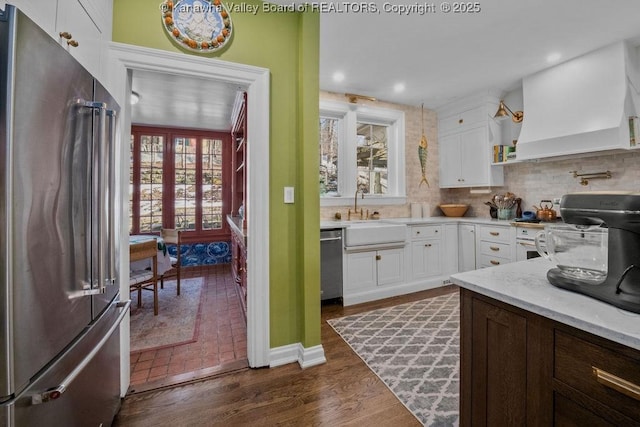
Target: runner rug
(414, 349)
(177, 320)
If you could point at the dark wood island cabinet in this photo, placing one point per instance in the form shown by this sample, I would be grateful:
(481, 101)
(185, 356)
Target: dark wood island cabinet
(519, 368)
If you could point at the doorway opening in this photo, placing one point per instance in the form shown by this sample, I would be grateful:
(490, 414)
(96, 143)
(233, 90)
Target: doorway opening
(256, 82)
(180, 180)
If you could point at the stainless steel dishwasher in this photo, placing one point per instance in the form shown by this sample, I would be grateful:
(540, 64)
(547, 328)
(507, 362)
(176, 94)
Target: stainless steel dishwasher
(331, 265)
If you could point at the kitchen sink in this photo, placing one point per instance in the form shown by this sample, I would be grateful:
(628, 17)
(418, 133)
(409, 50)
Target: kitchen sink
(373, 233)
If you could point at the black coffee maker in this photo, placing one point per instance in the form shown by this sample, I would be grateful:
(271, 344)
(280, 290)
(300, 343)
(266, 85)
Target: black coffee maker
(620, 213)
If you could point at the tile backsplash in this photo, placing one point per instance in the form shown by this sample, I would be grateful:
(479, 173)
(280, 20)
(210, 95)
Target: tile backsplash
(532, 182)
(548, 179)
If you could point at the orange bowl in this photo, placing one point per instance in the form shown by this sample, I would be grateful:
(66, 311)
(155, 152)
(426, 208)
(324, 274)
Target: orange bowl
(454, 210)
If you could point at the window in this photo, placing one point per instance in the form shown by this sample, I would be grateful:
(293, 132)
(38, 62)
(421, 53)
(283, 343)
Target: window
(361, 148)
(328, 155)
(179, 179)
(372, 158)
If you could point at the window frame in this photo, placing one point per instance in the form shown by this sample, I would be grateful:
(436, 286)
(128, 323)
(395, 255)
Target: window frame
(168, 180)
(349, 115)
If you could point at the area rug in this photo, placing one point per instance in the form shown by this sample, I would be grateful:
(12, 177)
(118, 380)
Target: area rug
(177, 320)
(414, 349)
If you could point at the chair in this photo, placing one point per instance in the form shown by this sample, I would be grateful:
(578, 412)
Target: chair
(144, 279)
(174, 237)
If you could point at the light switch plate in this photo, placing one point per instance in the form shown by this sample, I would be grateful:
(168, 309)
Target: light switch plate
(288, 194)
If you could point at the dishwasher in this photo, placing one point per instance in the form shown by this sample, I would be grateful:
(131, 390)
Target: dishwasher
(331, 265)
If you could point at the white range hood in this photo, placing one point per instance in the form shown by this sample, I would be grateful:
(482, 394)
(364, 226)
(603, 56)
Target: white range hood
(581, 106)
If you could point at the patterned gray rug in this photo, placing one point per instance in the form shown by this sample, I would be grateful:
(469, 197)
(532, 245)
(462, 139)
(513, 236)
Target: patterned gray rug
(414, 349)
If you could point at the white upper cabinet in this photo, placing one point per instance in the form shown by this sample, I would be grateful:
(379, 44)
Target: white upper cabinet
(466, 136)
(83, 27)
(42, 12)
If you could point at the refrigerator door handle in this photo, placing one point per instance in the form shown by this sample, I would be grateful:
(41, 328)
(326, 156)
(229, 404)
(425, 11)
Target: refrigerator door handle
(100, 172)
(96, 159)
(111, 200)
(56, 392)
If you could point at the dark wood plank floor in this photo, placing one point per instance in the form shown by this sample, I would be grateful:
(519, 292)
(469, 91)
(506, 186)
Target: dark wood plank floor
(343, 391)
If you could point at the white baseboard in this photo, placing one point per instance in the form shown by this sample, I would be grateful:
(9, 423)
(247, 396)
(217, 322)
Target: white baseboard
(311, 356)
(306, 357)
(351, 298)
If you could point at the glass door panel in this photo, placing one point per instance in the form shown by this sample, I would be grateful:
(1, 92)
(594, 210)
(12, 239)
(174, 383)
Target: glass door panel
(151, 164)
(212, 183)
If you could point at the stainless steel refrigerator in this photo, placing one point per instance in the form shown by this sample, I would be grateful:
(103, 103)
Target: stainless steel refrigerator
(59, 309)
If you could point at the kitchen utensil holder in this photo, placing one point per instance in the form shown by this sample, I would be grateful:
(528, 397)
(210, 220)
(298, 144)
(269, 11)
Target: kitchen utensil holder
(506, 213)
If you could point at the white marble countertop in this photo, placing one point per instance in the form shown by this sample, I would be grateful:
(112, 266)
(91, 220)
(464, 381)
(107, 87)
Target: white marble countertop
(324, 225)
(524, 284)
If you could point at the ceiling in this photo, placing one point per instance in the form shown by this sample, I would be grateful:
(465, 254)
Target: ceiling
(437, 56)
(180, 101)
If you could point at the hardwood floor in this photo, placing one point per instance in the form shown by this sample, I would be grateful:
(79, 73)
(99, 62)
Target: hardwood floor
(342, 391)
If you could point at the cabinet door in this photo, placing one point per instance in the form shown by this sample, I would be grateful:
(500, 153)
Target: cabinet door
(42, 12)
(74, 19)
(474, 157)
(426, 259)
(467, 248)
(463, 120)
(390, 266)
(498, 367)
(361, 271)
(450, 173)
(450, 250)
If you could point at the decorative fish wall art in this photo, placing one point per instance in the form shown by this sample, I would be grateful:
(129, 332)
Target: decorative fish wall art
(422, 154)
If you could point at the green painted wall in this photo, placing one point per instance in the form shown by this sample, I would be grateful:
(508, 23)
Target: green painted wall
(288, 45)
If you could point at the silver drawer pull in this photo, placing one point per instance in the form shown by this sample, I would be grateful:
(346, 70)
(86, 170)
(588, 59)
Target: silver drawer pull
(618, 384)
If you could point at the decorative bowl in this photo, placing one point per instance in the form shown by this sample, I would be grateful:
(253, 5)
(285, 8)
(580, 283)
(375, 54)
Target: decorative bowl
(454, 210)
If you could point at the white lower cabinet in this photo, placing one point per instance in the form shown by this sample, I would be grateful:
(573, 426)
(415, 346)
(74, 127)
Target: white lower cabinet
(390, 266)
(426, 251)
(433, 252)
(495, 245)
(367, 270)
(466, 247)
(426, 259)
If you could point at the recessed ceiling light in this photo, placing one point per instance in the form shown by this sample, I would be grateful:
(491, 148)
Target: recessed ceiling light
(398, 87)
(338, 76)
(553, 57)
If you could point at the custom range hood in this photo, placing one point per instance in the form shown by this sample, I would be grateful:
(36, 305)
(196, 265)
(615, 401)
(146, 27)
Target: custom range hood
(582, 106)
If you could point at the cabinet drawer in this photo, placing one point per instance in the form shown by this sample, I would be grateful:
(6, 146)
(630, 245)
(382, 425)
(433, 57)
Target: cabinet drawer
(494, 234)
(575, 360)
(492, 261)
(462, 120)
(426, 232)
(493, 249)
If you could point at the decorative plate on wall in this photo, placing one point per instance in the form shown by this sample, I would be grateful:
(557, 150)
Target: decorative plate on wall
(198, 25)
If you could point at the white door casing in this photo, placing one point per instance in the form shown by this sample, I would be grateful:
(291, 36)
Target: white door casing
(256, 80)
